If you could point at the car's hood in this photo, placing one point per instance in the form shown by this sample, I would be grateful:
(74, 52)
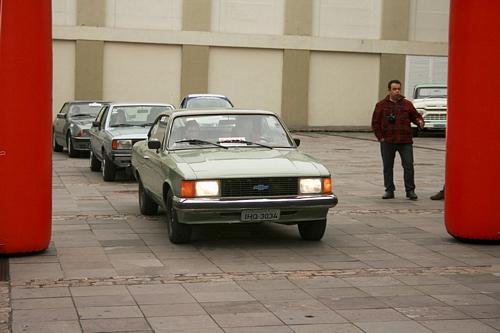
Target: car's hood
(430, 102)
(129, 132)
(246, 162)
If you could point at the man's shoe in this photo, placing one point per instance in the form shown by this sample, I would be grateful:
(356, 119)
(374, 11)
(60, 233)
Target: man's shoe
(438, 196)
(388, 195)
(411, 195)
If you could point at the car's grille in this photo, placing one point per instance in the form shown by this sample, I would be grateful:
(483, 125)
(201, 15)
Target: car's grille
(259, 187)
(436, 116)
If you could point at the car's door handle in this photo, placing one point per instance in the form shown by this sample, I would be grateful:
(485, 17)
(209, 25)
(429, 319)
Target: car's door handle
(145, 157)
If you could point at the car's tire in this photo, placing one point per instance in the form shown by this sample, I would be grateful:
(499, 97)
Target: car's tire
(178, 233)
(147, 205)
(71, 149)
(55, 146)
(95, 164)
(108, 168)
(313, 230)
(415, 132)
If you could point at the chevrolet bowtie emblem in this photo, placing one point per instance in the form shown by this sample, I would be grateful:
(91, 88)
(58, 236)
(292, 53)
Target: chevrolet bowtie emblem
(261, 187)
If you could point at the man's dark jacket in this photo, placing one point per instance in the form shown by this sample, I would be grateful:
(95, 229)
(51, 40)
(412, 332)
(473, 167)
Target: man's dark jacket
(403, 113)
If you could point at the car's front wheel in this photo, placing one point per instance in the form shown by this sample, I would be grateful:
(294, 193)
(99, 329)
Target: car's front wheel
(95, 164)
(313, 230)
(108, 168)
(178, 233)
(147, 205)
(71, 149)
(55, 146)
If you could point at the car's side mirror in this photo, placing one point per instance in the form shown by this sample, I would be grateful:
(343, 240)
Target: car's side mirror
(61, 115)
(154, 144)
(297, 141)
(96, 123)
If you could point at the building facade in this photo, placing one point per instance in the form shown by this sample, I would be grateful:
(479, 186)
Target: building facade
(317, 63)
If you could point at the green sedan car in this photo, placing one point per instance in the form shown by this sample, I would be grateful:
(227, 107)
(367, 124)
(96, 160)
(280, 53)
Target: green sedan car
(229, 166)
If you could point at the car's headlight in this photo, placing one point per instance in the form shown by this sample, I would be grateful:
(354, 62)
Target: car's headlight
(200, 188)
(315, 185)
(121, 144)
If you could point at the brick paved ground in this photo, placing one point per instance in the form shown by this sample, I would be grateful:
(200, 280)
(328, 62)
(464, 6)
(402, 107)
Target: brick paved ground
(383, 265)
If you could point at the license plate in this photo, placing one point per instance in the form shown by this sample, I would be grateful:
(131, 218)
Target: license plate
(260, 215)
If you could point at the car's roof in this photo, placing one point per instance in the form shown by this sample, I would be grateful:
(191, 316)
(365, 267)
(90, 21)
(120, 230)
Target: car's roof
(431, 85)
(89, 101)
(206, 95)
(222, 111)
(139, 103)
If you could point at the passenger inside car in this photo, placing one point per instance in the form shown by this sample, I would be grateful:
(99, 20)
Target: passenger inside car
(191, 130)
(247, 127)
(118, 117)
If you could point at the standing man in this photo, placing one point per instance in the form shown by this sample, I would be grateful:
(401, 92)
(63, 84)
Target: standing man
(391, 123)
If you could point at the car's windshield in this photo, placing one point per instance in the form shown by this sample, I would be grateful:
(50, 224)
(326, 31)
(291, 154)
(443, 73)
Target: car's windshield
(135, 115)
(84, 110)
(229, 130)
(431, 92)
(207, 102)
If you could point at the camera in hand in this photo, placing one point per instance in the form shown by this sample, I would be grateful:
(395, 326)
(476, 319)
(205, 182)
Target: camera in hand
(391, 118)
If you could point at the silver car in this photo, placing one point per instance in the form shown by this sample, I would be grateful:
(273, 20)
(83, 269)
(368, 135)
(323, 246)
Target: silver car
(71, 126)
(116, 129)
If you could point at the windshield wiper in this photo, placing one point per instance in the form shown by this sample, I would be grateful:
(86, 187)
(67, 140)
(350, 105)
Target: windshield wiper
(200, 142)
(83, 115)
(145, 124)
(122, 125)
(247, 142)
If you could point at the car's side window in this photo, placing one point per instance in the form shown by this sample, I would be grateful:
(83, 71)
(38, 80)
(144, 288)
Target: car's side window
(160, 128)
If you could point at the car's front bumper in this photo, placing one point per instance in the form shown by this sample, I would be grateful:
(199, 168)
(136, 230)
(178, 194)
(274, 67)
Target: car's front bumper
(122, 158)
(292, 210)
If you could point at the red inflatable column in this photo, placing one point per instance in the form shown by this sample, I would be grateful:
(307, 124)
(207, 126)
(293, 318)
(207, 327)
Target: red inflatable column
(472, 204)
(25, 126)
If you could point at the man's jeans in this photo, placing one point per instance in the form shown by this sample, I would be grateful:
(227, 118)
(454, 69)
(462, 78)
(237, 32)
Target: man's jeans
(405, 151)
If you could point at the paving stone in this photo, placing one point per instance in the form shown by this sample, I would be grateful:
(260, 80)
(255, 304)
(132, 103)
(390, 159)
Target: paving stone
(115, 325)
(233, 307)
(344, 303)
(38, 315)
(246, 319)
(108, 300)
(326, 328)
(481, 311)
(200, 322)
(303, 312)
(263, 329)
(42, 303)
(99, 312)
(371, 315)
(47, 327)
(174, 309)
(432, 313)
(458, 326)
(99, 291)
(21, 293)
(393, 327)
(468, 299)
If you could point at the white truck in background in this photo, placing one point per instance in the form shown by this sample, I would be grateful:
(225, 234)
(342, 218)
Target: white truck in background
(431, 102)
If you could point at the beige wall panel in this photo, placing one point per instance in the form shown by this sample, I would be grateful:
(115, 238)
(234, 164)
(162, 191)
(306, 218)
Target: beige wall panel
(347, 18)
(64, 12)
(63, 71)
(248, 16)
(429, 20)
(343, 88)
(251, 78)
(144, 14)
(142, 72)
